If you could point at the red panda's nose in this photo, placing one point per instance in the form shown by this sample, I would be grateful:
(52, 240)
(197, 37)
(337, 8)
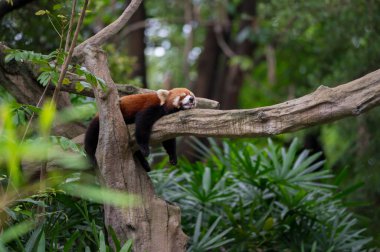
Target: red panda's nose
(191, 99)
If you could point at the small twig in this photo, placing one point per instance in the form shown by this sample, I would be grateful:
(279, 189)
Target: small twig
(70, 26)
(56, 30)
(70, 54)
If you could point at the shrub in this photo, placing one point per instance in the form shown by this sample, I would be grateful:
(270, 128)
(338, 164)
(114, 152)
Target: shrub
(247, 199)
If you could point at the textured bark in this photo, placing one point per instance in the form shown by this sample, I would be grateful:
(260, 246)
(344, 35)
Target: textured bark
(156, 224)
(322, 106)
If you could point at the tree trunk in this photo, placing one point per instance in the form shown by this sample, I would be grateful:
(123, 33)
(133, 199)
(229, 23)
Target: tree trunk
(155, 225)
(207, 66)
(234, 78)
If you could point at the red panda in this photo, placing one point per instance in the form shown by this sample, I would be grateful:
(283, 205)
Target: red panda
(144, 110)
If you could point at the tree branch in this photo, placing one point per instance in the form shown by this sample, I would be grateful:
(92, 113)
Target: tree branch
(68, 35)
(322, 106)
(111, 30)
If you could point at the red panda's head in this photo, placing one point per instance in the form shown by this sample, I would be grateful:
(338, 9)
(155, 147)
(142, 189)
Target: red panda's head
(177, 98)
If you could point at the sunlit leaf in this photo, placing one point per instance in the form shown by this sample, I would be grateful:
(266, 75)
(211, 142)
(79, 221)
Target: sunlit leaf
(102, 195)
(66, 81)
(46, 118)
(127, 247)
(16, 231)
(40, 12)
(268, 224)
(57, 6)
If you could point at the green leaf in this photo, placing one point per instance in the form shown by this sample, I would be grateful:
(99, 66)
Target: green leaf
(349, 190)
(206, 180)
(288, 158)
(63, 19)
(127, 247)
(70, 242)
(41, 243)
(32, 108)
(66, 81)
(102, 242)
(46, 118)
(40, 13)
(79, 86)
(57, 6)
(102, 195)
(114, 238)
(34, 239)
(15, 231)
(34, 202)
(44, 78)
(269, 223)
(8, 58)
(197, 231)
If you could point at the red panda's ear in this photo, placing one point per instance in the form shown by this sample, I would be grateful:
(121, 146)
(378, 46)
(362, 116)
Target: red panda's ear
(162, 95)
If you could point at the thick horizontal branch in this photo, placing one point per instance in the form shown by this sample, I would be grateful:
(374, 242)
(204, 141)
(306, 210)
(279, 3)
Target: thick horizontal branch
(324, 105)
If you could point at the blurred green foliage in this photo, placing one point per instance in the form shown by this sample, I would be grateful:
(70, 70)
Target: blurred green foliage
(245, 198)
(51, 214)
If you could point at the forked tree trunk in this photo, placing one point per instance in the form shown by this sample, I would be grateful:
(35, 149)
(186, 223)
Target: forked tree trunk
(154, 225)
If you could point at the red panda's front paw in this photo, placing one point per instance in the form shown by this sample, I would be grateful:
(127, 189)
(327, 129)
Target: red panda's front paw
(145, 150)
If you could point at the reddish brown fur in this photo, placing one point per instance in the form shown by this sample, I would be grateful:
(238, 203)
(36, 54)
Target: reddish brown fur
(152, 107)
(174, 93)
(130, 105)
